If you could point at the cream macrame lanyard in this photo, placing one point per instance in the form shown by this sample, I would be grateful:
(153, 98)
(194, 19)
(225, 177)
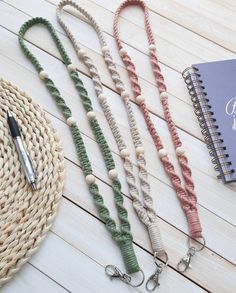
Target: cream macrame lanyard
(145, 210)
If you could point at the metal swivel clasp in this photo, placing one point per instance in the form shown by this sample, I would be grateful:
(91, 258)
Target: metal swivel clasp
(185, 261)
(153, 281)
(114, 272)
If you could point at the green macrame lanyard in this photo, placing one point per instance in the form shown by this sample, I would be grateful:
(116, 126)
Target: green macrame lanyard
(121, 235)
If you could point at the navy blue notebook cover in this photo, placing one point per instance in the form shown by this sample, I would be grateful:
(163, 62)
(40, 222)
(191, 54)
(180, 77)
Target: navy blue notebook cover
(212, 87)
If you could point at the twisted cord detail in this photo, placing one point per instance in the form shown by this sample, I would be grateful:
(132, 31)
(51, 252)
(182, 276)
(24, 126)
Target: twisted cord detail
(186, 193)
(145, 209)
(123, 234)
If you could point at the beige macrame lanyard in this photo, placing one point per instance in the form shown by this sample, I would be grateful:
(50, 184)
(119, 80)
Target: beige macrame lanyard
(143, 207)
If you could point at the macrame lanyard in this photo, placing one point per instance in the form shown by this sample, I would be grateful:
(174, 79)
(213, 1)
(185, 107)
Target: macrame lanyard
(123, 235)
(186, 194)
(145, 210)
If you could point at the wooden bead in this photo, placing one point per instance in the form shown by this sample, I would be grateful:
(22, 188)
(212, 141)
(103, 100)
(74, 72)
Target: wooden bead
(81, 53)
(43, 74)
(139, 150)
(162, 153)
(163, 95)
(124, 153)
(101, 97)
(105, 49)
(70, 121)
(152, 47)
(124, 94)
(112, 174)
(139, 99)
(71, 67)
(91, 115)
(180, 151)
(122, 52)
(90, 179)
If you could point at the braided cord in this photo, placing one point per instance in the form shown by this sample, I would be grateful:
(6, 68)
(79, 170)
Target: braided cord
(145, 209)
(123, 235)
(186, 194)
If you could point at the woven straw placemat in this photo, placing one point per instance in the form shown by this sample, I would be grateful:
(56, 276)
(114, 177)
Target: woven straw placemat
(26, 215)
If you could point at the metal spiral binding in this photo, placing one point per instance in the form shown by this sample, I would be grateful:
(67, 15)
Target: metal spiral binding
(207, 122)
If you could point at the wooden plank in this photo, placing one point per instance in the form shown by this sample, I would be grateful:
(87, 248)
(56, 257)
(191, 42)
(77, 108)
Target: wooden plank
(177, 47)
(68, 265)
(227, 3)
(72, 226)
(29, 279)
(207, 18)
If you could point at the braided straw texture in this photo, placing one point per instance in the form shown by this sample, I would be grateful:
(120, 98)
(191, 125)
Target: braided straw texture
(144, 208)
(26, 215)
(185, 192)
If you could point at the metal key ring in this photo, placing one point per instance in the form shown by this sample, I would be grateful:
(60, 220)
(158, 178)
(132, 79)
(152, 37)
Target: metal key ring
(157, 259)
(202, 244)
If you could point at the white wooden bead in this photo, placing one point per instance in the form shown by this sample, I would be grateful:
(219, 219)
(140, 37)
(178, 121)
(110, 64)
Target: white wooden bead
(124, 153)
(122, 52)
(101, 97)
(124, 94)
(43, 74)
(90, 179)
(71, 67)
(70, 121)
(152, 47)
(81, 53)
(180, 151)
(162, 153)
(163, 95)
(91, 115)
(139, 150)
(139, 99)
(105, 49)
(112, 174)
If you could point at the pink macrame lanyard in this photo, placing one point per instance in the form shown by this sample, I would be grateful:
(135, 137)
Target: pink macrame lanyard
(186, 193)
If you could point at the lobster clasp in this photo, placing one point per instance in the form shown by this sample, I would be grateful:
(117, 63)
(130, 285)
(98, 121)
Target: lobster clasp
(114, 272)
(184, 263)
(153, 281)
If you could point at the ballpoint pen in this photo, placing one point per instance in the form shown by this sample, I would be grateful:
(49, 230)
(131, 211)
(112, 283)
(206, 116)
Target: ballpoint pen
(22, 153)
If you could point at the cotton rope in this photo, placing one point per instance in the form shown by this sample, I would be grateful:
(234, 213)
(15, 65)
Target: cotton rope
(122, 234)
(186, 194)
(144, 207)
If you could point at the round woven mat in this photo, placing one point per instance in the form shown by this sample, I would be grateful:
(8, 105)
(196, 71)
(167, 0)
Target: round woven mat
(26, 215)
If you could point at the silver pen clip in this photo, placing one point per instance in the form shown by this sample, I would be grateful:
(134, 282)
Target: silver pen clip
(32, 166)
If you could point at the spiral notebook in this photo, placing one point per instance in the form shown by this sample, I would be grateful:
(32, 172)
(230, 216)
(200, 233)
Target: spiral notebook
(212, 87)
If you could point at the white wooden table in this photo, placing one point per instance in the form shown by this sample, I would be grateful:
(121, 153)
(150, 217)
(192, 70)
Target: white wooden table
(73, 256)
